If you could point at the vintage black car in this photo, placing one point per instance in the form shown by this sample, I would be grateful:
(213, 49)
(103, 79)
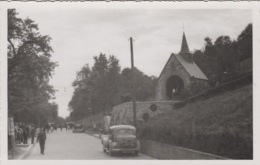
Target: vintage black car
(78, 127)
(121, 138)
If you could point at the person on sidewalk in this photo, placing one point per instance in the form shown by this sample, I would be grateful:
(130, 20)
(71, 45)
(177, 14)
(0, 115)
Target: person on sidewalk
(37, 133)
(33, 131)
(29, 129)
(42, 138)
(25, 135)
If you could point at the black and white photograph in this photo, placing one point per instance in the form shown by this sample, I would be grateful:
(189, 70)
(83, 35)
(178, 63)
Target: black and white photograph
(132, 83)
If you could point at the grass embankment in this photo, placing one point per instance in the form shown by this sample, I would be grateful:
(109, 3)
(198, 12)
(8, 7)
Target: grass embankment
(220, 125)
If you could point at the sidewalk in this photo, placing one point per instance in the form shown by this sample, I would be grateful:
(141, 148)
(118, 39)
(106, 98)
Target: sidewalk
(21, 150)
(95, 134)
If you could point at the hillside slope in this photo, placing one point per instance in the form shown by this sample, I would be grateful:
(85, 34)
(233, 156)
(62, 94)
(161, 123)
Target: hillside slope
(220, 125)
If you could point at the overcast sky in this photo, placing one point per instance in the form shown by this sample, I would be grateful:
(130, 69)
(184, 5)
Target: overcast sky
(78, 35)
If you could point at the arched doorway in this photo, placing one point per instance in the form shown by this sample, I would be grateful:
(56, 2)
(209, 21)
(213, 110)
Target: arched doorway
(174, 86)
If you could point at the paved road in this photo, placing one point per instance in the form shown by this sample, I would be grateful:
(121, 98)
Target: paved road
(62, 145)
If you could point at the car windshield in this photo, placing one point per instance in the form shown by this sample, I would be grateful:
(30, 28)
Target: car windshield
(125, 132)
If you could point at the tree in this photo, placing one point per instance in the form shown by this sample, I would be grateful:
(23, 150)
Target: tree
(53, 107)
(213, 60)
(244, 43)
(220, 59)
(201, 60)
(227, 54)
(145, 85)
(97, 89)
(113, 82)
(61, 121)
(99, 94)
(80, 102)
(106, 83)
(29, 67)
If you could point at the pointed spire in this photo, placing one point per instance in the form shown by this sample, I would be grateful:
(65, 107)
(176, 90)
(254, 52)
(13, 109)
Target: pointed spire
(184, 46)
(185, 51)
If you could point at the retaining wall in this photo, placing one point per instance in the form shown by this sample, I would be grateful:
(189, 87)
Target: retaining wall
(123, 113)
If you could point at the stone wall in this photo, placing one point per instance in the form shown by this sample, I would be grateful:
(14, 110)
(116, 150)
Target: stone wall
(123, 113)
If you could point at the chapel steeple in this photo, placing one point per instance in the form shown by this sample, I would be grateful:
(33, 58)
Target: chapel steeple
(184, 45)
(185, 51)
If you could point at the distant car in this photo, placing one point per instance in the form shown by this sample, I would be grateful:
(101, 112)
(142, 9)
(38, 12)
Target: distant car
(78, 127)
(70, 125)
(121, 138)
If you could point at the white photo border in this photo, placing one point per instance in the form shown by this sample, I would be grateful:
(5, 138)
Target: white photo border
(254, 6)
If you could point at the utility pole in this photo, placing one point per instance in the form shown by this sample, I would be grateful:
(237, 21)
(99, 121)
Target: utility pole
(133, 81)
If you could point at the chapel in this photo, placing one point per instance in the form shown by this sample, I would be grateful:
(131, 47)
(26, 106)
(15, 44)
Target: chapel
(179, 74)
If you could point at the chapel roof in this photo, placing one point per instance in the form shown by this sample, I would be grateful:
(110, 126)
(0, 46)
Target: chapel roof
(192, 68)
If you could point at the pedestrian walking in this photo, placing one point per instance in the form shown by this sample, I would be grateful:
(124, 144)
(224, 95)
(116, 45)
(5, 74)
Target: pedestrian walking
(33, 131)
(25, 135)
(29, 129)
(37, 133)
(47, 127)
(42, 138)
(20, 136)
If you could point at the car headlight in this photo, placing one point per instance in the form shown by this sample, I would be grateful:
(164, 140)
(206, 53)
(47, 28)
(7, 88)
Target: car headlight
(114, 144)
